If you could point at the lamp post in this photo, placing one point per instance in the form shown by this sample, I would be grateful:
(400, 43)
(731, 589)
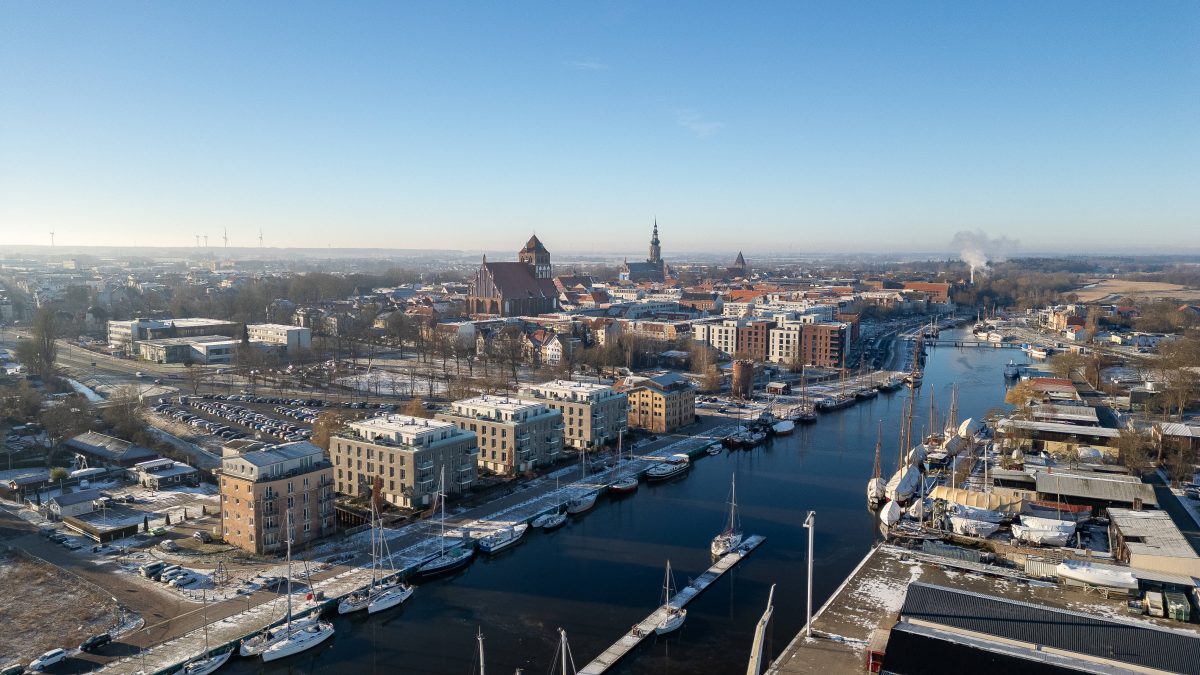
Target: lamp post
(809, 523)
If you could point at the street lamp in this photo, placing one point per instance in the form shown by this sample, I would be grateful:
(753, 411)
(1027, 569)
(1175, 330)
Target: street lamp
(809, 523)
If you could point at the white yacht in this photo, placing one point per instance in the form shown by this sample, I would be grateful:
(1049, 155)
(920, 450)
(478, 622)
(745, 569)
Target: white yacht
(295, 638)
(503, 538)
(731, 537)
(675, 615)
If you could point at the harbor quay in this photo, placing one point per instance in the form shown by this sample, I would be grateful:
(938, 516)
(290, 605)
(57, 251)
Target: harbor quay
(411, 546)
(855, 622)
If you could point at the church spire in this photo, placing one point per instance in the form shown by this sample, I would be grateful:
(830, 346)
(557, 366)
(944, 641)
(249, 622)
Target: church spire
(655, 247)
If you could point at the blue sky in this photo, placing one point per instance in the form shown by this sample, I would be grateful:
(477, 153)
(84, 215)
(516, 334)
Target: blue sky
(789, 126)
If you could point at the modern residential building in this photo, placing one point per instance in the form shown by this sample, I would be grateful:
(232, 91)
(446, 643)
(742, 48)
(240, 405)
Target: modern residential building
(593, 414)
(292, 338)
(514, 436)
(405, 457)
(660, 404)
(753, 338)
(783, 343)
(275, 493)
(824, 345)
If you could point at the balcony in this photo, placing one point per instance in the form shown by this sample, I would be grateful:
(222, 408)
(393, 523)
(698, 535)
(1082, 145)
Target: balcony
(425, 466)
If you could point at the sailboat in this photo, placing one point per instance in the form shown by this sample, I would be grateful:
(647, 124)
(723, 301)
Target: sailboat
(296, 638)
(585, 501)
(554, 519)
(203, 665)
(380, 594)
(447, 559)
(624, 484)
(675, 615)
(256, 645)
(503, 538)
(564, 656)
(876, 486)
(731, 537)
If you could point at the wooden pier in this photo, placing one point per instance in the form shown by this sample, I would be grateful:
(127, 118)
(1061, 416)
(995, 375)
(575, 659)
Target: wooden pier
(645, 628)
(972, 343)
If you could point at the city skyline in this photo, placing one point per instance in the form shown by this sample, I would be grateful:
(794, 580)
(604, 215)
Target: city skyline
(828, 129)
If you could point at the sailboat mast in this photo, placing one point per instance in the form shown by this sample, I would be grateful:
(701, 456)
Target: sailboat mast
(289, 577)
(878, 447)
(479, 637)
(442, 505)
(563, 645)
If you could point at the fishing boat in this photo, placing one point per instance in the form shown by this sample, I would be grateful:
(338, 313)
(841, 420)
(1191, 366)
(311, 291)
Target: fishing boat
(890, 384)
(1097, 575)
(835, 402)
(448, 559)
(1012, 371)
(973, 528)
(783, 427)
(203, 665)
(295, 638)
(913, 379)
(626, 481)
(675, 615)
(502, 539)
(731, 537)
(676, 465)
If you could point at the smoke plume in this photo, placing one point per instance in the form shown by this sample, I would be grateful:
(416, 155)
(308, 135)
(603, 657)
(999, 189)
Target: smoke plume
(978, 250)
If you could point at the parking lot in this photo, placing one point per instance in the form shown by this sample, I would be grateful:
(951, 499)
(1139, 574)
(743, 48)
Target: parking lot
(229, 417)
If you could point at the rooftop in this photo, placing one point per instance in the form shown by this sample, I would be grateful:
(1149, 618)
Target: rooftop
(1151, 532)
(498, 407)
(568, 389)
(113, 449)
(197, 339)
(405, 430)
(1098, 486)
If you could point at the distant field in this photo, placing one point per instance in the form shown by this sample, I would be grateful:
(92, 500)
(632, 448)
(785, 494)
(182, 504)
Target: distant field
(1117, 288)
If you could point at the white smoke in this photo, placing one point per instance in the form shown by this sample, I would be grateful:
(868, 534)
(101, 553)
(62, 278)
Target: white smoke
(978, 250)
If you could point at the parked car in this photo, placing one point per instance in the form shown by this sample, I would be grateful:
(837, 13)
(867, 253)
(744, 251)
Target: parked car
(158, 531)
(13, 669)
(48, 659)
(203, 536)
(169, 545)
(95, 642)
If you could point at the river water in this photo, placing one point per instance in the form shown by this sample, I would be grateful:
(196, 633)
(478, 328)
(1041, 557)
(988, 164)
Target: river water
(604, 571)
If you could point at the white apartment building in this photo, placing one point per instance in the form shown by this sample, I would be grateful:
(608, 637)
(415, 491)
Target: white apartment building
(783, 345)
(737, 310)
(722, 336)
(291, 337)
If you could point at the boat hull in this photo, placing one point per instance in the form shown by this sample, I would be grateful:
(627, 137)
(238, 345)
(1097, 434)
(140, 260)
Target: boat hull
(494, 543)
(672, 623)
(390, 598)
(581, 504)
(204, 666)
(550, 521)
(724, 544)
(624, 486)
(299, 641)
(665, 476)
(444, 564)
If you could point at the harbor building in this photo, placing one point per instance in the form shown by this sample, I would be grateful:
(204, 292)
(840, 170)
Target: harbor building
(593, 414)
(1150, 540)
(660, 404)
(514, 436)
(275, 493)
(404, 456)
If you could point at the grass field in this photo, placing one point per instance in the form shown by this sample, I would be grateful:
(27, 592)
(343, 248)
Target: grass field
(1111, 289)
(45, 607)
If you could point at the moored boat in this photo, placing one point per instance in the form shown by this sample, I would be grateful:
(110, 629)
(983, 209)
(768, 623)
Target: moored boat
(973, 528)
(206, 664)
(674, 466)
(581, 503)
(550, 521)
(503, 538)
(448, 559)
(866, 393)
(389, 597)
(625, 482)
(1012, 371)
(731, 537)
(299, 640)
(675, 615)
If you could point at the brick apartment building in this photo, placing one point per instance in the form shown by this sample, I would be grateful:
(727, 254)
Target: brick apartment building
(270, 494)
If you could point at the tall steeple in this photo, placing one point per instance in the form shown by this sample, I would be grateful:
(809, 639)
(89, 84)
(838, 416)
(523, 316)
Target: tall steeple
(655, 249)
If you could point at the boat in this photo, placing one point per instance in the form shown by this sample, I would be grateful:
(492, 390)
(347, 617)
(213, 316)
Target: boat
(562, 655)
(995, 337)
(626, 481)
(550, 521)
(835, 402)
(1037, 523)
(784, 427)
(875, 487)
(580, 503)
(973, 528)
(731, 537)
(1057, 510)
(890, 384)
(755, 438)
(804, 415)
(1039, 352)
(1097, 575)
(295, 637)
(253, 646)
(676, 465)
(675, 615)
(503, 538)
(913, 379)
(975, 513)
(203, 665)
(1012, 371)
(1026, 534)
(713, 449)
(448, 559)
(299, 640)
(866, 393)
(372, 594)
(890, 514)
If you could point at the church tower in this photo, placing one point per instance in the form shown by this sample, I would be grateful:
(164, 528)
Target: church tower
(537, 257)
(655, 249)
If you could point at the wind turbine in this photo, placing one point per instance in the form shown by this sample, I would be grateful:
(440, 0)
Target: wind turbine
(206, 241)
(52, 237)
(226, 237)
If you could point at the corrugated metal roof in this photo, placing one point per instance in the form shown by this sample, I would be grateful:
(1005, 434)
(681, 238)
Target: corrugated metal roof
(1151, 533)
(1119, 641)
(1103, 487)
